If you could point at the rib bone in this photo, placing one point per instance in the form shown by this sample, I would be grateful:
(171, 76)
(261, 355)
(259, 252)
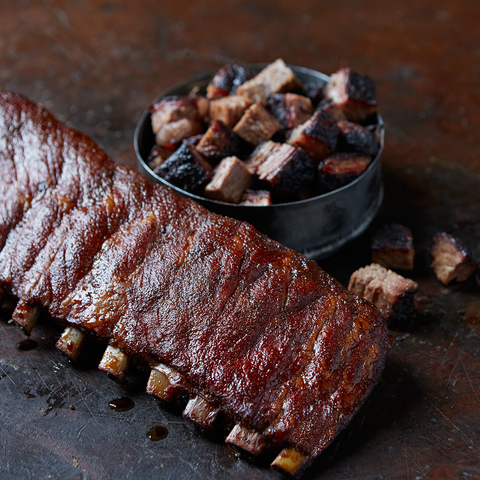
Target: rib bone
(202, 412)
(166, 383)
(291, 461)
(114, 362)
(26, 315)
(246, 439)
(70, 342)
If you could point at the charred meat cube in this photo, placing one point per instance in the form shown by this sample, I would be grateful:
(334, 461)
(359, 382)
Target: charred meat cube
(227, 80)
(353, 92)
(341, 168)
(230, 179)
(318, 136)
(392, 247)
(289, 109)
(355, 138)
(451, 261)
(287, 170)
(175, 118)
(256, 198)
(185, 169)
(228, 109)
(256, 125)
(259, 155)
(276, 77)
(332, 109)
(218, 142)
(391, 293)
(158, 155)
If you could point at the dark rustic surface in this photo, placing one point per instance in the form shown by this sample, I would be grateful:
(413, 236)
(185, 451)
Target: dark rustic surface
(96, 65)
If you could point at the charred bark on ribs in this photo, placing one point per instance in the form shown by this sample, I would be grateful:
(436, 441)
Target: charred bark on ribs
(248, 330)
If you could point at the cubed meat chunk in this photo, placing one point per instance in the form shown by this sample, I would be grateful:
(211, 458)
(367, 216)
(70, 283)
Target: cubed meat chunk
(186, 169)
(175, 118)
(451, 261)
(259, 155)
(257, 198)
(340, 169)
(256, 125)
(219, 142)
(229, 109)
(333, 110)
(318, 136)
(355, 138)
(353, 92)
(276, 77)
(289, 109)
(158, 155)
(227, 80)
(230, 179)
(391, 293)
(392, 247)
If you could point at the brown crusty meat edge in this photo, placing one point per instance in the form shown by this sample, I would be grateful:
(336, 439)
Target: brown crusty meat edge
(247, 330)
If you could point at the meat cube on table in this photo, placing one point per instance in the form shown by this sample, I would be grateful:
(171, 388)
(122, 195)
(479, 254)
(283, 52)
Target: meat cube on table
(230, 179)
(186, 169)
(227, 80)
(353, 92)
(175, 118)
(318, 136)
(289, 109)
(256, 125)
(276, 77)
(355, 138)
(228, 109)
(257, 198)
(392, 247)
(391, 293)
(218, 142)
(451, 260)
(341, 168)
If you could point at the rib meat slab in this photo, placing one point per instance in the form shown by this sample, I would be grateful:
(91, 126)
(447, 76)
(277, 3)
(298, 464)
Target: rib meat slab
(256, 331)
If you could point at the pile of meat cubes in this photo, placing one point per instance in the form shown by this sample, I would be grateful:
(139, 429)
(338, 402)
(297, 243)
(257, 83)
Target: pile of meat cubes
(263, 138)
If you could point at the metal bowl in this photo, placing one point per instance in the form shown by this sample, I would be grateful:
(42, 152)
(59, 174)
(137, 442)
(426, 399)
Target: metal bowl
(317, 226)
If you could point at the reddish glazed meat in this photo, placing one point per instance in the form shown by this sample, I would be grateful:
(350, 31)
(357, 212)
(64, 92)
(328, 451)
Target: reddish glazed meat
(250, 331)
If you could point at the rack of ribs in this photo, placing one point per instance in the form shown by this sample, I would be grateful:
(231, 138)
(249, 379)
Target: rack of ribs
(251, 336)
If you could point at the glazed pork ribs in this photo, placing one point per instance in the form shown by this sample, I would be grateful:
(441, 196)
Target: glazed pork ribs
(255, 338)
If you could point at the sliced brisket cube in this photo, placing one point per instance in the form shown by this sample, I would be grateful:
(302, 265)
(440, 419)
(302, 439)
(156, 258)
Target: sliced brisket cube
(341, 168)
(451, 260)
(227, 80)
(175, 118)
(289, 109)
(332, 109)
(257, 198)
(353, 92)
(287, 170)
(158, 155)
(355, 138)
(228, 109)
(315, 91)
(230, 179)
(391, 293)
(218, 142)
(256, 125)
(276, 77)
(392, 247)
(318, 136)
(259, 155)
(186, 169)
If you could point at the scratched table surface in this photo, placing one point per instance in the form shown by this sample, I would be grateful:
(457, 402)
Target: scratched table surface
(96, 65)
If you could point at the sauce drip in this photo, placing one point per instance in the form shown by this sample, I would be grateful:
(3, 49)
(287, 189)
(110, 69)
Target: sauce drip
(27, 344)
(121, 404)
(157, 433)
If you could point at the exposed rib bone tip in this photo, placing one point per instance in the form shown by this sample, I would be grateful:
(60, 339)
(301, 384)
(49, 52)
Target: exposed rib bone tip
(26, 316)
(114, 362)
(246, 439)
(291, 461)
(166, 383)
(202, 412)
(70, 342)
